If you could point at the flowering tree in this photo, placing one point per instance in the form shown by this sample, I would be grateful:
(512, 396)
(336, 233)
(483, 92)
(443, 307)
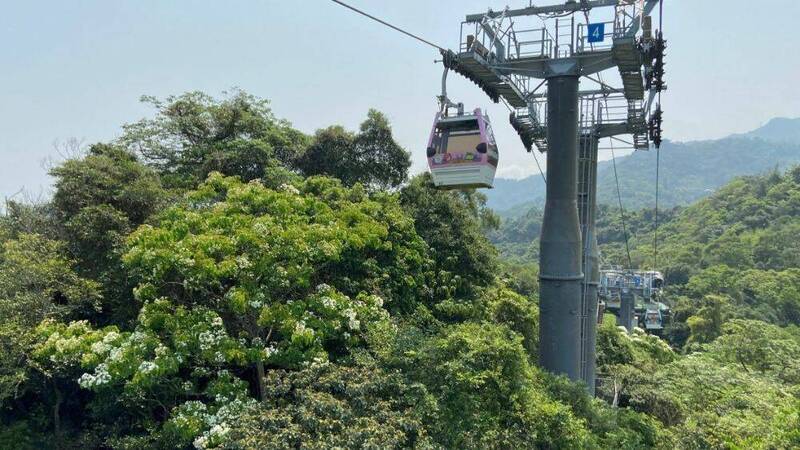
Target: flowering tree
(294, 272)
(173, 366)
(37, 282)
(237, 279)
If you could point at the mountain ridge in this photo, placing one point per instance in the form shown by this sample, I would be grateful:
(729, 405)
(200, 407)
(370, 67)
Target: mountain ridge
(689, 170)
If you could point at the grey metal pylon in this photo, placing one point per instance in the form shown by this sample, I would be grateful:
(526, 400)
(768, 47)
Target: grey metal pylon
(561, 252)
(587, 213)
(626, 305)
(502, 62)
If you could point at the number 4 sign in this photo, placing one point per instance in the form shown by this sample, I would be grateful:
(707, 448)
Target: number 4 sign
(597, 32)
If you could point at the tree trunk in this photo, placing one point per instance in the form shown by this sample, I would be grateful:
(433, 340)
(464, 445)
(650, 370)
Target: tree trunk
(615, 402)
(262, 387)
(57, 412)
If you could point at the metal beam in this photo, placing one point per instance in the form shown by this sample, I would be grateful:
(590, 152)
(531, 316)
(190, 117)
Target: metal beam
(612, 129)
(585, 93)
(648, 8)
(545, 67)
(570, 6)
(497, 43)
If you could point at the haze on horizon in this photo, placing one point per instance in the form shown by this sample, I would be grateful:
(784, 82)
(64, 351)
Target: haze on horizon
(77, 70)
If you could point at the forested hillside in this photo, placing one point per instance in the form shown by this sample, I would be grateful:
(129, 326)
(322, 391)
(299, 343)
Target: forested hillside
(746, 230)
(517, 237)
(732, 265)
(689, 171)
(217, 279)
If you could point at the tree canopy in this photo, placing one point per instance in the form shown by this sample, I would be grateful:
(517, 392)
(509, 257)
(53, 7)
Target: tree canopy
(218, 279)
(370, 157)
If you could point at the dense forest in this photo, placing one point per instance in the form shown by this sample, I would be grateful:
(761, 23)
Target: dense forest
(215, 278)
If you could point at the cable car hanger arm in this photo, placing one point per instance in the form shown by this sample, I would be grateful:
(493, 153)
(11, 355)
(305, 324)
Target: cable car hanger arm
(444, 101)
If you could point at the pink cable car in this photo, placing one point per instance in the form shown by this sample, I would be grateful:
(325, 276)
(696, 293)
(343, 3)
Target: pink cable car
(462, 152)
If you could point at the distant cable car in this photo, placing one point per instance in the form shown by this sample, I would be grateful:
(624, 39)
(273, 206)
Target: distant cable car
(462, 152)
(652, 320)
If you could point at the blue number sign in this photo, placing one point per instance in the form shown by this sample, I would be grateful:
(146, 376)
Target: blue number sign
(597, 32)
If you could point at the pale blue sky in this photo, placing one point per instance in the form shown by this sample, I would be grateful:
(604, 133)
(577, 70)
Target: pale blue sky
(77, 68)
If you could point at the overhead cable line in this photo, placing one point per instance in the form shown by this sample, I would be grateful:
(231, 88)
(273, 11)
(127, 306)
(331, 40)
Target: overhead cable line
(544, 178)
(655, 228)
(424, 41)
(621, 209)
(511, 110)
(658, 149)
(427, 42)
(622, 140)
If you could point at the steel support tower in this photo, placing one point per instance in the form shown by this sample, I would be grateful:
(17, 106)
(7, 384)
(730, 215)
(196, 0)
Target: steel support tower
(587, 211)
(561, 252)
(502, 59)
(626, 308)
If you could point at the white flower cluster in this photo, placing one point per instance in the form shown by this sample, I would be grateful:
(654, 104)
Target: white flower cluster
(289, 189)
(98, 378)
(111, 337)
(328, 302)
(161, 351)
(147, 366)
(322, 287)
(100, 348)
(243, 262)
(67, 345)
(187, 412)
(261, 228)
(639, 335)
(269, 351)
(319, 361)
(209, 339)
(255, 304)
(115, 355)
(300, 328)
(211, 438)
(186, 261)
(353, 323)
(216, 417)
(327, 249)
(218, 423)
(200, 371)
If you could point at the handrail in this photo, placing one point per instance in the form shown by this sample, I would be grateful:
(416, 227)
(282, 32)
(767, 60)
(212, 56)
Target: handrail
(583, 38)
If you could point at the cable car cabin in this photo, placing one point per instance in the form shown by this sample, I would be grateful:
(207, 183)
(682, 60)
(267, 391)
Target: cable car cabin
(462, 152)
(653, 319)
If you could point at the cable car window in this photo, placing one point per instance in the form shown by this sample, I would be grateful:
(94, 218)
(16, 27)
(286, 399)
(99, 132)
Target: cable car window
(462, 143)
